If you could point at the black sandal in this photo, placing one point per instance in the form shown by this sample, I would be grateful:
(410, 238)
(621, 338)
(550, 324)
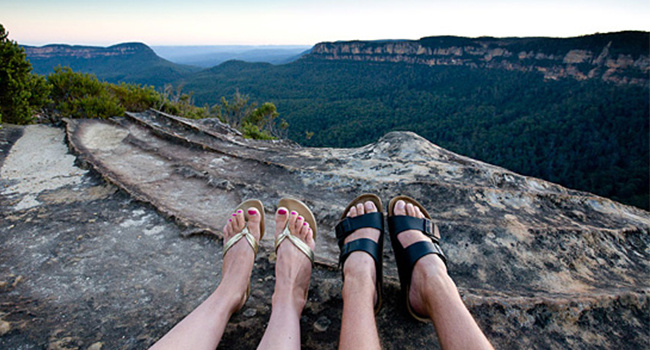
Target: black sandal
(348, 225)
(407, 257)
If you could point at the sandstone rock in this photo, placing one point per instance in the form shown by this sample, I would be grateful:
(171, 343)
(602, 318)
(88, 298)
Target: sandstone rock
(539, 265)
(96, 346)
(5, 327)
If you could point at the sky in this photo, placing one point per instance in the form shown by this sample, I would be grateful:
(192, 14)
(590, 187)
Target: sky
(306, 22)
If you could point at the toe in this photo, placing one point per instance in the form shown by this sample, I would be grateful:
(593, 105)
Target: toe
(400, 208)
(410, 209)
(360, 209)
(281, 219)
(300, 221)
(304, 231)
(293, 217)
(352, 212)
(309, 239)
(254, 219)
(227, 229)
(370, 207)
(239, 220)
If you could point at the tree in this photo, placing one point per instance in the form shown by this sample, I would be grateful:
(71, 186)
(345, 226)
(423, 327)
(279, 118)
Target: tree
(22, 93)
(254, 122)
(234, 112)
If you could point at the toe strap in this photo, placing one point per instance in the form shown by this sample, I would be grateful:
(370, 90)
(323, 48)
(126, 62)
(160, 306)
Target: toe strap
(350, 224)
(410, 255)
(400, 223)
(236, 238)
(302, 246)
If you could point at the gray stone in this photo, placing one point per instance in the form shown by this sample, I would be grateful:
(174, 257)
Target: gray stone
(537, 264)
(250, 312)
(321, 324)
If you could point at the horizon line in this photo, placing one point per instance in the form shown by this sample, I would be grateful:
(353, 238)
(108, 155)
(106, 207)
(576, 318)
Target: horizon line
(327, 41)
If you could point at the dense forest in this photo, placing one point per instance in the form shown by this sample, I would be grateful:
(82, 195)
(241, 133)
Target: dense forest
(586, 135)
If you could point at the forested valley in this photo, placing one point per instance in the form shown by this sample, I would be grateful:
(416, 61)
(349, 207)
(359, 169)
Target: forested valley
(586, 135)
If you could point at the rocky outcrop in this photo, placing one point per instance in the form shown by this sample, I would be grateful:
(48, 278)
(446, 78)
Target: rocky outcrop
(539, 265)
(87, 52)
(621, 58)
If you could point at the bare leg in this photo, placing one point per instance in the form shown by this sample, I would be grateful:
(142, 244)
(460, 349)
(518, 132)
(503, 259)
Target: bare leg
(434, 293)
(292, 275)
(358, 325)
(203, 327)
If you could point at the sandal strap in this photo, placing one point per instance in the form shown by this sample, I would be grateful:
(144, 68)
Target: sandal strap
(411, 254)
(417, 250)
(245, 233)
(302, 246)
(375, 249)
(350, 224)
(400, 223)
(362, 244)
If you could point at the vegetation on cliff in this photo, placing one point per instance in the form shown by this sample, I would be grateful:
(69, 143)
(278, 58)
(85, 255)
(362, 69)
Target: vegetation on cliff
(80, 95)
(21, 93)
(69, 94)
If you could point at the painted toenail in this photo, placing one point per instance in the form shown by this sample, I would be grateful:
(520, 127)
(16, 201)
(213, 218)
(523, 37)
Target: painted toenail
(229, 220)
(234, 214)
(282, 212)
(304, 224)
(239, 211)
(251, 212)
(294, 213)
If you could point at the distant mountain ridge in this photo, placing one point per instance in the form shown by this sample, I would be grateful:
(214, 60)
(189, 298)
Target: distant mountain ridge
(622, 57)
(212, 55)
(127, 62)
(61, 50)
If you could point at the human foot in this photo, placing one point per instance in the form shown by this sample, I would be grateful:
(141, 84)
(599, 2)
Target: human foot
(361, 242)
(241, 235)
(294, 263)
(429, 264)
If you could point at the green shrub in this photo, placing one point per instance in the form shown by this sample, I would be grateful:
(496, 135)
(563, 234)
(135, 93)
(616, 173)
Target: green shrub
(136, 98)
(79, 95)
(22, 94)
(251, 131)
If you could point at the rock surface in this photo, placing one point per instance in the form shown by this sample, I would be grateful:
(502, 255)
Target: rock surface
(539, 265)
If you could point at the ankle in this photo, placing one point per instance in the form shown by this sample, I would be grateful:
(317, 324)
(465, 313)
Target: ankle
(291, 299)
(430, 275)
(228, 299)
(360, 266)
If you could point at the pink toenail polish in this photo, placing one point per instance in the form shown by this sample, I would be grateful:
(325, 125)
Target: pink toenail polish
(304, 224)
(229, 220)
(234, 214)
(251, 212)
(294, 213)
(282, 212)
(239, 211)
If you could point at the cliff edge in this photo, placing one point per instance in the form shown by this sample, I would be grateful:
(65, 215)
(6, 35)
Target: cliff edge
(539, 265)
(621, 58)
